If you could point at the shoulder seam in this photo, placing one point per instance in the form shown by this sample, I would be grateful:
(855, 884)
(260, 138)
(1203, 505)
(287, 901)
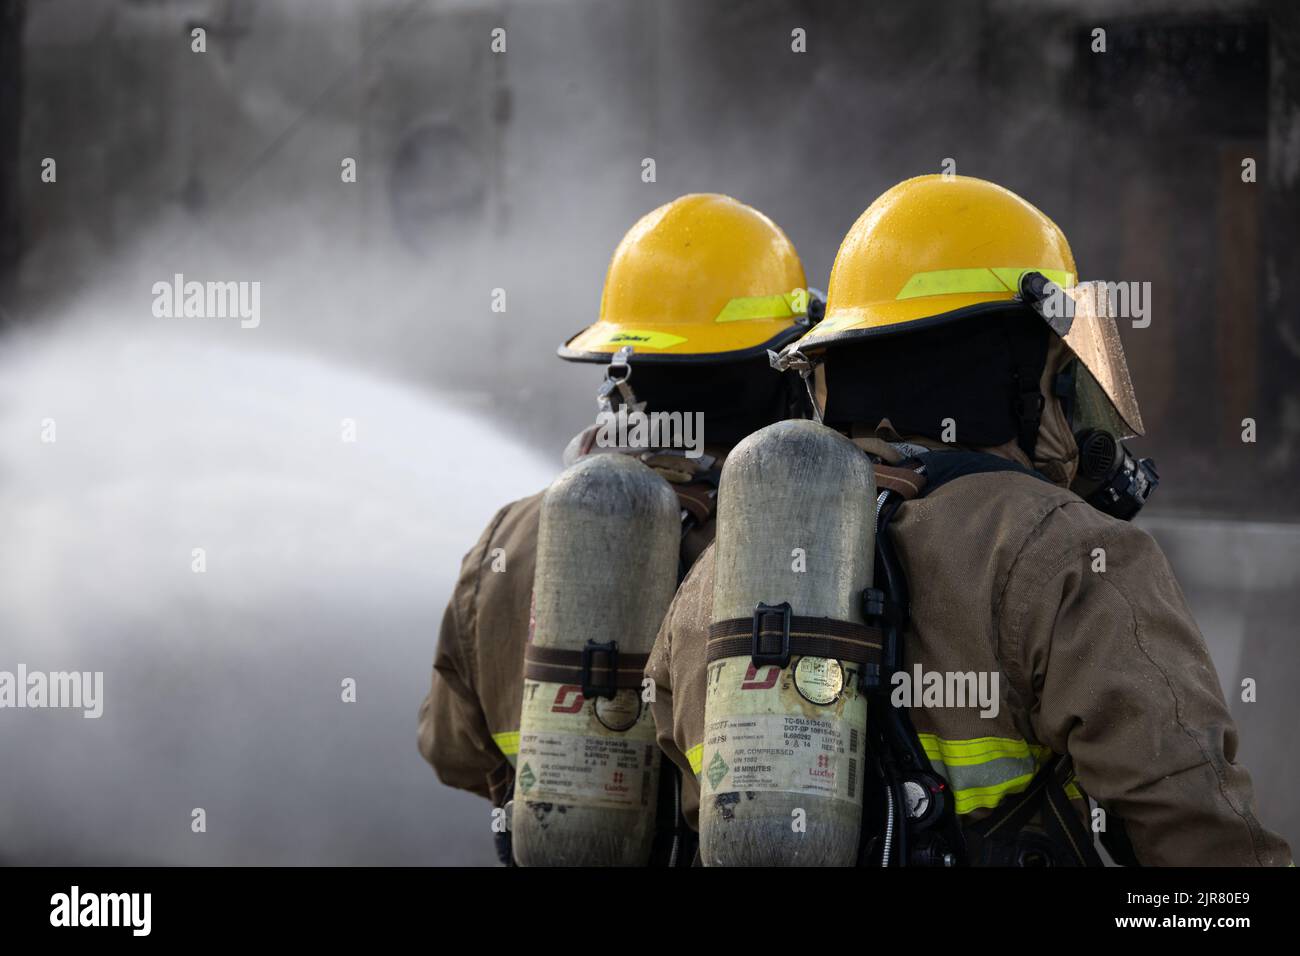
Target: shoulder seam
(999, 604)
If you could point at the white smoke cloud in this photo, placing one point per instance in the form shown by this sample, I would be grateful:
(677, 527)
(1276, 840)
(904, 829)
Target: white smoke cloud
(325, 560)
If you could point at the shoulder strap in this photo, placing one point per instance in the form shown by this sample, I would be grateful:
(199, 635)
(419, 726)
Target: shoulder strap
(697, 497)
(907, 483)
(699, 502)
(921, 474)
(913, 478)
(942, 467)
(991, 841)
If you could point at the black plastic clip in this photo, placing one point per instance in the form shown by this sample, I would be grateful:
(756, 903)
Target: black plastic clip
(1029, 405)
(875, 611)
(873, 605)
(591, 689)
(765, 650)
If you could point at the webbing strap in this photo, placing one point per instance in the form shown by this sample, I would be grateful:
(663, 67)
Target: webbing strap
(1060, 821)
(809, 637)
(908, 483)
(501, 783)
(992, 838)
(561, 666)
(918, 476)
(942, 467)
(1029, 402)
(699, 499)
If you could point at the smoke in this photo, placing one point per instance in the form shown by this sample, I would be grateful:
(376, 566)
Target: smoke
(326, 559)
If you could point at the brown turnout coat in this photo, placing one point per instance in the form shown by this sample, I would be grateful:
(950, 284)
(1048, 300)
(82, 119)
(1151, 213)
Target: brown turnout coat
(469, 721)
(1106, 666)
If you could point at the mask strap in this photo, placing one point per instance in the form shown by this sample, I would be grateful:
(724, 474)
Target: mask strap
(795, 361)
(617, 379)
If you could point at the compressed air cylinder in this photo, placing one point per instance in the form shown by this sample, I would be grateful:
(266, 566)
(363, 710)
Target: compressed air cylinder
(586, 775)
(784, 748)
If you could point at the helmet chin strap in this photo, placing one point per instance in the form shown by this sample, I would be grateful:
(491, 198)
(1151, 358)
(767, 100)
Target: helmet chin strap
(792, 360)
(617, 376)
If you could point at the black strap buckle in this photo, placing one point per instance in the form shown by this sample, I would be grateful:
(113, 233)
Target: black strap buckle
(874, 603)
(1029, 409)
(1030, 404)
(590, 689)
(769, 647)
(877, 610)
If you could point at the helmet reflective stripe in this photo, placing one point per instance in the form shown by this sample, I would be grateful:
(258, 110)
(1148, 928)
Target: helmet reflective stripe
(953, 281)
(983, 771)
(707, 278)
(761, 307)
(934, 249)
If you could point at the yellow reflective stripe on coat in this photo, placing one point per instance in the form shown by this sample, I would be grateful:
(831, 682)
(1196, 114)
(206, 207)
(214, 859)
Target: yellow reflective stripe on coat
(507, 743)
(983, 771)
(761, 307)
(695, 757)
(971, 767)
(995, 279)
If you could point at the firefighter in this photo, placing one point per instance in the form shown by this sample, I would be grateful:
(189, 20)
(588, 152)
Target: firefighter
(697, 293)
(959, 353)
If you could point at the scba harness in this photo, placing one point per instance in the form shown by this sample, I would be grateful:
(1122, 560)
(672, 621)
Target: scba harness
(913, 821)
(799, 693)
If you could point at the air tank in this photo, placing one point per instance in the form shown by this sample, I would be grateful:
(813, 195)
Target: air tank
(586, 775)
(784, 747)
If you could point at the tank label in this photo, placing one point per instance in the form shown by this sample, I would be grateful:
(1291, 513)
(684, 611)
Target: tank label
(818, 680)
(575, 751)
(798, 730)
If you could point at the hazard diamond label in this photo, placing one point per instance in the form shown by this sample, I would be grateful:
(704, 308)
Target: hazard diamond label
(717, 770)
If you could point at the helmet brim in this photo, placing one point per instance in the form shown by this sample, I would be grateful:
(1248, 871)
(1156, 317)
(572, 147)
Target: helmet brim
(1092, 336)
(897, 317)
(685, 343)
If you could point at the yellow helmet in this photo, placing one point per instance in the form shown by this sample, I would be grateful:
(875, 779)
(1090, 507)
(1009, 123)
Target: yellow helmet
(939, 248)
(703, 278)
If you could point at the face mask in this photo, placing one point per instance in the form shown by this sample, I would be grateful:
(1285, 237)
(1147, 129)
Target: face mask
(1110, 477)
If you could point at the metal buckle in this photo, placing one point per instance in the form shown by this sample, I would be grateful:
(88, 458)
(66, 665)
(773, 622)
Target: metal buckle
(592, 690)
(620, 365)
(761, 652)
(618, 377)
